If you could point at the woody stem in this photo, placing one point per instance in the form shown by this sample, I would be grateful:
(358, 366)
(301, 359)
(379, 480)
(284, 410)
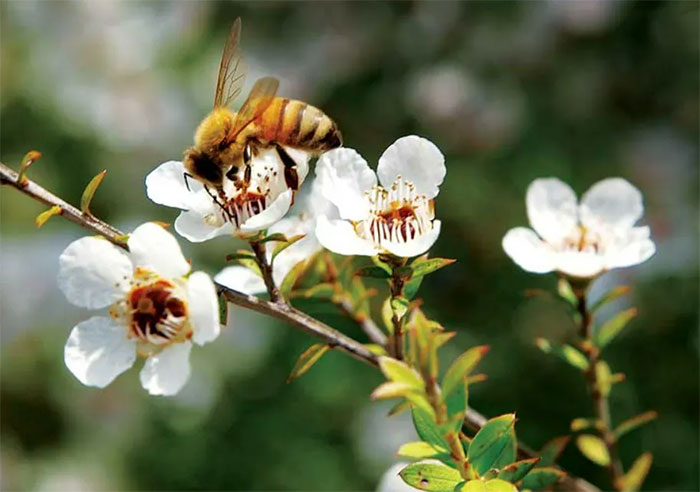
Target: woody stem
(266, 271)
(601, 405)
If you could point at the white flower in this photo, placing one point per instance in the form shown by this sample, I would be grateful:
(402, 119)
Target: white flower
(394, 217)
(155, 309)
(310, 207)
(580, 240)
(266, 200)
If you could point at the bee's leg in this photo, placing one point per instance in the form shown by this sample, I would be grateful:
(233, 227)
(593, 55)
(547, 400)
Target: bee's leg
(291, 177)
(247, 161)
(187, 183)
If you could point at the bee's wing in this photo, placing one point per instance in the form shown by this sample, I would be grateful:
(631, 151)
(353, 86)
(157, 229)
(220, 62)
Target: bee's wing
(260, 97)
(231, 70)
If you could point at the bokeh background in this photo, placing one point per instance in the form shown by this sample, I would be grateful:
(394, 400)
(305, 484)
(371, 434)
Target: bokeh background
(509, 91)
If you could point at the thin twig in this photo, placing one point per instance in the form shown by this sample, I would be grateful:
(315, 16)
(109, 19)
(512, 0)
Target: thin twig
(266, 271)
(601, 406)
(284, 312)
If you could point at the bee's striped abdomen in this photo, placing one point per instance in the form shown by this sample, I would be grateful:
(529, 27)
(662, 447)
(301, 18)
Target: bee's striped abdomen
(297, 124)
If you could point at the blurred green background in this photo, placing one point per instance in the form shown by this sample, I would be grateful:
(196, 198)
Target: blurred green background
(509, 92)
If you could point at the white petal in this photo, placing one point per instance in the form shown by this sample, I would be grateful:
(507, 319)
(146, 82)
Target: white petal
(580, 264)
(153, 247)
(166, 185)
(416, 246)
(93, 273)
(97, 351)
(193, 227)
(552, 209)
(611, 202)
(339, 236)
(343, 177)
(527, 250)
(167, 372)
(241, 279)
(203, 308)
(636, 248)
(270, 215)
(417, 160)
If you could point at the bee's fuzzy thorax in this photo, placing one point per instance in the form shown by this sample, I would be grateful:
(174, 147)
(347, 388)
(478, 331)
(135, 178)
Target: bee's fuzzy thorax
(212, 130)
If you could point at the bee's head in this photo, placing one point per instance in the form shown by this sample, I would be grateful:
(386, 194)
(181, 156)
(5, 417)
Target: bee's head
(202, 167)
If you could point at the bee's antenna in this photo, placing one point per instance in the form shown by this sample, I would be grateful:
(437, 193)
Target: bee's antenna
(186, 175)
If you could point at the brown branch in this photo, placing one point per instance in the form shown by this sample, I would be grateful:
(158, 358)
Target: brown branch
(284, 312)
(266, 271)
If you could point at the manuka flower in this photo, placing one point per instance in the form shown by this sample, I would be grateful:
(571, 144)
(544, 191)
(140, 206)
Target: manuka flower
(205, 215)
(395, 217)
(302, 220)
(580, 240)
(155, 309)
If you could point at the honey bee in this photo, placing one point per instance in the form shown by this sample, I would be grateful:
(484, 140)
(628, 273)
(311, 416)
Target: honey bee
(226, 141)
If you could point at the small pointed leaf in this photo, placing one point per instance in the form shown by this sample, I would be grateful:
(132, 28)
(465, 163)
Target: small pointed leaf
(418, 450)
(425, 266)
(552, 449)
(634, 422)
(634, 478)
(565, 352)
(47, 214)
(516, 471)
(400, 306)
(611, 295)
(566, 292)
(593, 448)
(223, 310)
(372, 272)
(89, 192)
(427, 429)
(431, 477)
(613, 326)
(307, 359)
(398, 371)
(391, 389)
(292, 277)
(541, 477)
(284, 245)
(461, 367)
(489, 442)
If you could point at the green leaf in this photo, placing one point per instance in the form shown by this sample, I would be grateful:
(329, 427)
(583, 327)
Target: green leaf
(489, 442)
(565, 352)
(456, 401)
(552, 449)
(375, 348)
(425, 266)
(566, 292)
(493, 485)
(634, 422)
(410, 289)
(47, 214)
(609, 296)
(399, 305)
(89, 192)
(634, 478)
(516, 471)
(418, 450)
(604, 377)
(277, 236)
(372, 272)
(461, 367)
(400, 407)
(580, 424)
(387, 315)
(427, 429)
(400, 372)
(241, 254)
(541, 477)
(291, 278)
(320, 291)
(613, 326)
(307, 359)
(391, 389)
(284, 245)
(381, 264)
(223, 309)
(593, 448)
(432, 477)
(510, 451)
(27, 161)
